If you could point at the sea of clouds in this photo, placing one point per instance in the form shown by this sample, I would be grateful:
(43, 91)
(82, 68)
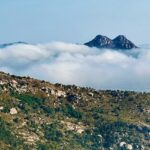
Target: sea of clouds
(67, 63)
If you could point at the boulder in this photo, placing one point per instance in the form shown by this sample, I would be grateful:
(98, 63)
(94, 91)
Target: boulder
(13, 111)
(71, 98)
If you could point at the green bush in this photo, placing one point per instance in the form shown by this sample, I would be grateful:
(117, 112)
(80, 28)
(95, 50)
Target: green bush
(43, 147)
(6, 136)
(48, 110)
(32, 101)
(6, 109)
(69, 111)
(52, 133)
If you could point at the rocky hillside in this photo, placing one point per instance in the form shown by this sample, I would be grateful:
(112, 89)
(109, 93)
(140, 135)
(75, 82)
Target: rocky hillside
(42, 116)
(120, 42)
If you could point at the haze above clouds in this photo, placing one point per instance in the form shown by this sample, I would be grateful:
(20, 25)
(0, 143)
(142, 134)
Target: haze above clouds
(40, 21)
(77, 64)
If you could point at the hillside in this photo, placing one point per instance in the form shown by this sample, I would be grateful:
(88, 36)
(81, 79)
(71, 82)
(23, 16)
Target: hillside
(38, 115)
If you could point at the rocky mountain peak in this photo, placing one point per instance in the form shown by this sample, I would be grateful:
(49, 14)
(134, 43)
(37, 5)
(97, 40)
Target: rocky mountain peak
(121, 37)
(120, 42)
(100, 41)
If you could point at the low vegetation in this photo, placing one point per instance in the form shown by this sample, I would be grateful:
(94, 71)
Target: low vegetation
(39, 115)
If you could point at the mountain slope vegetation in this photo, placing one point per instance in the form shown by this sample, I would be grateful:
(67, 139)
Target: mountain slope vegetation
(39, 115)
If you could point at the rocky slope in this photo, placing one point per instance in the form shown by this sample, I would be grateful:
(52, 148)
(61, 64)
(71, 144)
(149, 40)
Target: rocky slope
(120, 42)
(38, 115)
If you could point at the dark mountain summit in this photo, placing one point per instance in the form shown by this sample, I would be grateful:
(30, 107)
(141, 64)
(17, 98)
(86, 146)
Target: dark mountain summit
(100, 42)
(120, 42)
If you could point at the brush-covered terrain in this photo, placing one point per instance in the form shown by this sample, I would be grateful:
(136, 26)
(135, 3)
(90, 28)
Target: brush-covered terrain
(42, 116)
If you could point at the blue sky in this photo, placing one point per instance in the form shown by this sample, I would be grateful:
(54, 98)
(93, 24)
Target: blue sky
(76, 21)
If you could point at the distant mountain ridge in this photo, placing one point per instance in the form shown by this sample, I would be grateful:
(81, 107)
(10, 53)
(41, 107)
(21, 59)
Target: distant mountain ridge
(100, 41)
(120, 42)
(10, 44)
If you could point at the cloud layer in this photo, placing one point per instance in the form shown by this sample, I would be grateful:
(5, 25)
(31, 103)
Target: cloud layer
(77, 64)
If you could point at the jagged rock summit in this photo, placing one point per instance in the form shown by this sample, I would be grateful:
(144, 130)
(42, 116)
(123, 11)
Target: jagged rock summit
(120, 42)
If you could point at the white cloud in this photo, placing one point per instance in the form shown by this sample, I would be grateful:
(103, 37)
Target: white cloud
(77, 64)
